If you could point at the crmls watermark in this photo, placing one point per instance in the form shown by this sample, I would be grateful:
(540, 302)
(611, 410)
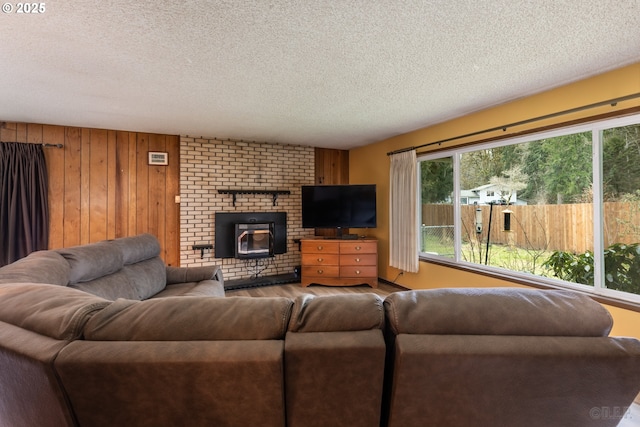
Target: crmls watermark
(609, 412)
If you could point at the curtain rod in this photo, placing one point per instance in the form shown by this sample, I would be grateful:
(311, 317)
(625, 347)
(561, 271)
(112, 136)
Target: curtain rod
(44, 144)
(613, 102)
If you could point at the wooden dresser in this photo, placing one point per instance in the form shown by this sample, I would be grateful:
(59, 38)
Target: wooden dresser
(336, 262)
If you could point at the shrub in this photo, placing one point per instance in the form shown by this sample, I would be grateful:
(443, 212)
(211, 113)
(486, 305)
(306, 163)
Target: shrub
(622, 267)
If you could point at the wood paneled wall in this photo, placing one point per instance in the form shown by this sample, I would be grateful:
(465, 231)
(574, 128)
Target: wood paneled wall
(332, 167)
(101, 186)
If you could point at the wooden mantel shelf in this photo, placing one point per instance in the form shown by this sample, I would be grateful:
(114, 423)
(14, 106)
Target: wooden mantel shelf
(273, 193)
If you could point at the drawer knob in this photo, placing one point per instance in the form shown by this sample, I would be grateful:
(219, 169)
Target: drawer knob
(357, 271)
(319, 247)
(358, 248)
(320, 259)
(357, 259)
(320, 271)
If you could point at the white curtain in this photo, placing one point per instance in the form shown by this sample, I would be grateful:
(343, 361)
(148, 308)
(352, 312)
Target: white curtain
(403, 238)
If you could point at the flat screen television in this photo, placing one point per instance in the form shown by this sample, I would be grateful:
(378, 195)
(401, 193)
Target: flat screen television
(339, 206)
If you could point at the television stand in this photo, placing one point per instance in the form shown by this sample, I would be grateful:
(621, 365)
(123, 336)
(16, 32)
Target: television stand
(339, 262)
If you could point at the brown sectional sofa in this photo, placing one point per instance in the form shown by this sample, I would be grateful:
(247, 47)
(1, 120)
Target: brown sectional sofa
(334, 361)
(506, 357)
(174, 351)
(129, 267)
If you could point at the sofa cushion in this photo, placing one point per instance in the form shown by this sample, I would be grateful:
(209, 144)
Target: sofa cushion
(51, 310)
(190, 319)
(136, 281)
(496, 311)
(193, 274)
(204, 288)
(137, 248)
(147, 278)
(174, 383)
(37, 267)
(91, 261)
(512, 381)
(111, 286)
(335, 313)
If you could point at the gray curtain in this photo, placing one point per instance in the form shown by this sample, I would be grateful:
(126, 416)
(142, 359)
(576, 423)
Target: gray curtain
(24, 206)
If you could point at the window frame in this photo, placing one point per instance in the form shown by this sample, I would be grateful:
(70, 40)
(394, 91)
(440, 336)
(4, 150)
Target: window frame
(597, 129)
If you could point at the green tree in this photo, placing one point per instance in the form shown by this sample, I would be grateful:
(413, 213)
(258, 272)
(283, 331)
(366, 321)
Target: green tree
(534, 165)
(436, 180)
(568, 168)
(478, 167)
(558, 169)
(621, 162)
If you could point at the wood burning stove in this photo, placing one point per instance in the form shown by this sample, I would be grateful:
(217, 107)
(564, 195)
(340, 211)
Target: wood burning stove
(225, 230)
(254, 240)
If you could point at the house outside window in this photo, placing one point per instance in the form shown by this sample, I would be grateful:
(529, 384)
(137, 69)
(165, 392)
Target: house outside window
(559, 207)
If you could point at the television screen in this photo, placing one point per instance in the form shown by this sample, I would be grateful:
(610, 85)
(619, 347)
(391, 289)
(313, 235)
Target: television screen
(339, 206)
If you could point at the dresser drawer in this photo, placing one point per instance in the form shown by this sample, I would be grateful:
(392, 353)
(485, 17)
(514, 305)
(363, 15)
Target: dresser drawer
(359, 259)
(358, 247)
(320, 271)
(320, 259)
(315, 246)
(358, 271)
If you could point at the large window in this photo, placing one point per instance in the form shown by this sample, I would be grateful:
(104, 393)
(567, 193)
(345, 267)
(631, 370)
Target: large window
(560, 207)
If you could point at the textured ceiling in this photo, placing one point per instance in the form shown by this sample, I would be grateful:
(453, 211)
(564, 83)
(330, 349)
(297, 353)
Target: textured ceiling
(338, 74)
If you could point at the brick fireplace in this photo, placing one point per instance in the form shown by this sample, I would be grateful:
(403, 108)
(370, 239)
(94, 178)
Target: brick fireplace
(209, 165)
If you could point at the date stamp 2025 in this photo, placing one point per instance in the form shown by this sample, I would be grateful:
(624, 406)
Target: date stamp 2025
(24, 8)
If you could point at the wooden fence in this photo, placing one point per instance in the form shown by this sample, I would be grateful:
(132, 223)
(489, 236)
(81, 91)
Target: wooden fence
(567, 227)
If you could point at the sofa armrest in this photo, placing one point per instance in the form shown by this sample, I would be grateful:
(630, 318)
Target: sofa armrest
(54, 311)
(193, 274)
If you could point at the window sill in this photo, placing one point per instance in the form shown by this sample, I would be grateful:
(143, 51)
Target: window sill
(603, 299)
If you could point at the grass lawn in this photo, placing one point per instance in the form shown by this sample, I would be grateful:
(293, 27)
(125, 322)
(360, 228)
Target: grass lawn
(508, 257)
(503, 256)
